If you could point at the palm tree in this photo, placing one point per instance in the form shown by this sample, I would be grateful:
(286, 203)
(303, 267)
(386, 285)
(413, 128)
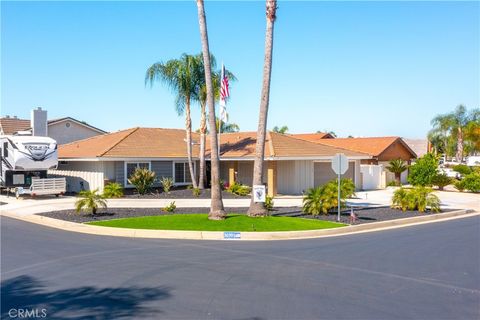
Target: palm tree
(217, 211)
(282, 129)
(202, 99)
(90, 200)
(227, 127)
(181, 75)
(258, 209)
(454, 125)
(396, 167)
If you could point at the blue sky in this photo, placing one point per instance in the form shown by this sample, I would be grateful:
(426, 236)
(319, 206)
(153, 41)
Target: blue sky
(356, 68)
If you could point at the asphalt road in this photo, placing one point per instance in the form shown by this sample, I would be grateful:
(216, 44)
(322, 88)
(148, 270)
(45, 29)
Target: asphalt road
(424, 272)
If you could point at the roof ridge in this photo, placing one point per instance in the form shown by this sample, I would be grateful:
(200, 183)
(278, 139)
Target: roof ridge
(115, 144)
(327, 145)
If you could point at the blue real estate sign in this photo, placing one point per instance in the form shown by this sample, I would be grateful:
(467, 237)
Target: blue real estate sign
(229, 235)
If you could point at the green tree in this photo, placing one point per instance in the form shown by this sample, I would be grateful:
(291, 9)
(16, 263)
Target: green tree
(282, 129)
(182, 76)
(217, 211)
(455, 126)
(257, 209)
(424, 170)
(90, 201)
(396, 167)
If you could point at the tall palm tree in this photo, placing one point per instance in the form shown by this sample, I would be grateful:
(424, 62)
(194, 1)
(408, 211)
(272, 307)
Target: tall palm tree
(396, 167)
(217, 211)
(181, 75)
(202, 99)
(454, 125)
(257, 209)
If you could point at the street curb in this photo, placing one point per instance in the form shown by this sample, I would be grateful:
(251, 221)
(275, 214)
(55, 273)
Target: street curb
(220, 235)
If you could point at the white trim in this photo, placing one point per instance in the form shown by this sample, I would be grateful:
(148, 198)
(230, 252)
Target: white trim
(125, 178)
(186, 170)
(319, 158)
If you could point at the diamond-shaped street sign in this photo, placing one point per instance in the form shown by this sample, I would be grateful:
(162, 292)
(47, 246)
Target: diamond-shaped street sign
(340, 163)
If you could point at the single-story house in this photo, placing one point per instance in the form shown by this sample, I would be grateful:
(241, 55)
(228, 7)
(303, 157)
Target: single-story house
(292, 165)
(381, 149)
(62, 130)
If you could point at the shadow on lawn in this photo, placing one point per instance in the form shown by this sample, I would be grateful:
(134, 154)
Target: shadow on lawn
(88, 302)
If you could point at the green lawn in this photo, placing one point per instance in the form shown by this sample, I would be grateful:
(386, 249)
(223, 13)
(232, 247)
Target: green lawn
(234, 222)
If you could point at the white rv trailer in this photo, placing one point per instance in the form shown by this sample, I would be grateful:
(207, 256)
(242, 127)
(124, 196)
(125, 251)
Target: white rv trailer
(25, 159)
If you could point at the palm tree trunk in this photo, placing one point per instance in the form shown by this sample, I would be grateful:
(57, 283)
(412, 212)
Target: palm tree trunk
(188, 127)
(258, 209)
(398, 178)
(459, 154)
(203, 130)
(217, 211)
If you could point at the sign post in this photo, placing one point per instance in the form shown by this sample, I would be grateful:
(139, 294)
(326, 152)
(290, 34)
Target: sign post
(339, 166)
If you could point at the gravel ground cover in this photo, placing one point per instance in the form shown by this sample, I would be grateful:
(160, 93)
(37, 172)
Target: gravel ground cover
(364, 215)
(180, 193)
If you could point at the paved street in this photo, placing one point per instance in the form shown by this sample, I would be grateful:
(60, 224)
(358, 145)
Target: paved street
(424, 272)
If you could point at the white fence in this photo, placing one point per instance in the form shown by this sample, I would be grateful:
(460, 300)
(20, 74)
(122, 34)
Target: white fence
(80, 180)
(374, 177)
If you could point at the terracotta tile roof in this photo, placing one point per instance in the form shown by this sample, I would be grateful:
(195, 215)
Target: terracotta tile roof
(314, 137)
(242, 145)
(373, 146)
(170, 143)
(131, 143)
(12, 125)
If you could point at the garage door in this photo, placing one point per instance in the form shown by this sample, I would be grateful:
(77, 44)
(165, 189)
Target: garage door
(323, 173)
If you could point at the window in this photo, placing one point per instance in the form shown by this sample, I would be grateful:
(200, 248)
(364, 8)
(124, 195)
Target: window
(130, 168)
(182, 173)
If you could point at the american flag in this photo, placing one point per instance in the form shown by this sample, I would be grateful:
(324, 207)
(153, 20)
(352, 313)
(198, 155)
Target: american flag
(224, 94)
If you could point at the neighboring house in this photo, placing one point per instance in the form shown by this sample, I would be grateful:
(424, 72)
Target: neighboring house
(419, 146)
(381, 149)
(291, 165)
(63, 130)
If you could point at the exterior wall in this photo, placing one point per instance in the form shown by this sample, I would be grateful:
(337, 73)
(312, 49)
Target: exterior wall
(68, 131)
(373, 176)
(323, 173)
(294, 176)
(81, 175)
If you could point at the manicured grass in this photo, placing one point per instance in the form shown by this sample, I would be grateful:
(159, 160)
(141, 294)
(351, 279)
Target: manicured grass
(234, 222)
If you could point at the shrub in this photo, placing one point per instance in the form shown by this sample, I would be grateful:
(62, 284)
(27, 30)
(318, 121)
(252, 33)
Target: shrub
(113, 190)
(239, 189)
(167, 184)
(459, 185)
(472, 182)
(441, 180)
(90, 201)
(462, 169)
(196, 192)
(324, 198)
(268, 203)
(418, 198)
(170, 208)
(424, 170)
(142, 179)
(393, 184)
